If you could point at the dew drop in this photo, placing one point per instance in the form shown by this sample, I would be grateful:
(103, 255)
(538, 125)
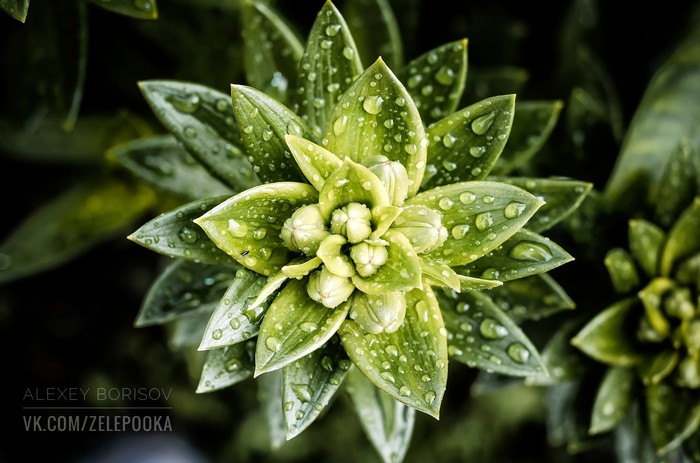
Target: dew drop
(518, 352)
(488, 199)
(459, 231)
(530, 251)
(273, 343)
(491, 329)
(445, 76)
(332, 30)
(484, 221)
(404, 391)
(248, 128)
(477, 151)
(467, 197)
(188, 235)
(490, 274)
(308, 327)
(190, 132)
(449, 165)
(482, 124)
(235, 323)
(332, 88)
(373, 104)
(339, 125)
(237, 229)
(185, 104)
(217, 334)
(348, 53)
(234, 365)
(446, 204)
(449, 140)
(513, 209)
(302, 391)
(326, 44)
(387, 376)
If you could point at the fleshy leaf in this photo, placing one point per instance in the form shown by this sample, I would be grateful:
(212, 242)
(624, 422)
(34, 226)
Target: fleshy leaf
(270, 397)
(470, 283)
(184, 287)
(302, 268)
(352, 182)
(563, 361)
(271, 50)
(436, 80)
(481, 335)
(202, 120)
(316, 162)
(378, 313)
(613, 399)
(309, 384)
(329, 65)
(409, 364)
(140, 9)
(264, 123)
(487, 213)
(533, 123)
(333, 258)
(683, 239)
(227, 366)
(375, 30)
(466, 144)
(162, 162)
(621, 269)
(174, 234)
(674, 415)
(632, 442)
(401, 272)
(440, 274)
(651, 296)
(646, 241)
(655, 367)
(532, 298)
(376, 115)
(16, 8)
(387, 423)
(72, 223)
(561, 197)
(294, 326)
(185, 332)
(247, 226)
(678, 184)
(608, 337)
(235, 319)
(663, 118)
(524, 254)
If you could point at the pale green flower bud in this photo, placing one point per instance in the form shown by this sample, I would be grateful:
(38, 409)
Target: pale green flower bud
(422, 226)
(379, 313)
(392, 174)
(689, 372)
(368, 258)
(328, 288)
(304, 230)
(352, 221)
(678, 303)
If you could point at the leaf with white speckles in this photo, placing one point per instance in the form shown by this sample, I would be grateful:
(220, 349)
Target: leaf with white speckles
(247, 226)
(376, 115)
(436, 80)
(310, 383)
(478, 216)
(532, 298)
(409, 364)
(678, 184)
(482, 336)
(673, 414)
(465, 145)
(683, 239)
(227, 366)
(263, 124)
(646, 240)
(621, 269)
(16, 8)
(329, 65)
(270, 398)
(294, 326)
(613, 399)
(440, 274)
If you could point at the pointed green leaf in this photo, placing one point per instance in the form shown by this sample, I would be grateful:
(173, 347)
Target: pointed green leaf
(140, 9)
(613, 399)
(621, 269)
(683, 239)
(247, 226)
(533, 123)
(352, 182)
(673, 414)
(479, 216)
(333, 257)
(646, 241)
(561, 197)
(375, 30)
(563, 362)
(270, 398)
(69, 225)
(264, 123)
(387, 423)
(608, 337)
(271, 50)
(174, 234)
(483, 336)
(486, 81)
(309, 384)
(383, 218)
(651, 296)
(294, 326)
(401, 272)
(182, 288)
(235, 319)
(227, 366)
(186, 331)
(476, 284)
(524, 254)
(329, 65)
(436, 80)
(532, 298)
(678, 184)
(632, 441)
(465, 145)
(440, 274)
(16, 8)
(376, 115)
(202, 120)
(315, 162)
(162, 162)
(663, 118)
(409, 364)
(655, 367)
(301, 269)
(378, 313)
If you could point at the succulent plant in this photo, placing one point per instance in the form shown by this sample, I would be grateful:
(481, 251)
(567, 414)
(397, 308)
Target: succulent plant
(352, 228)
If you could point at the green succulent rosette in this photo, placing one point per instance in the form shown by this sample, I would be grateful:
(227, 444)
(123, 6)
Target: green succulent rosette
(354, 245)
